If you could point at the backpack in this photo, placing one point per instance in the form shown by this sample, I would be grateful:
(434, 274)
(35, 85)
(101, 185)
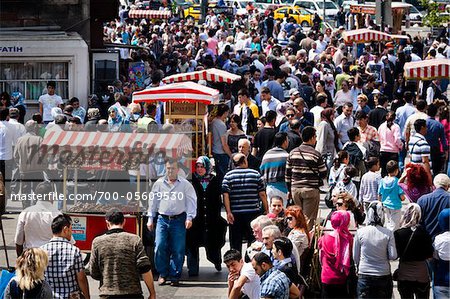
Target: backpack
(355, 154)
(373, 148)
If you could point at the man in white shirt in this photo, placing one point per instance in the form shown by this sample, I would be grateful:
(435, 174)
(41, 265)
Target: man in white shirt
(19, 129)
(268, 102)
(376, 68)
(49, 101)
(34, 226)
(6, 149)
(242, 278)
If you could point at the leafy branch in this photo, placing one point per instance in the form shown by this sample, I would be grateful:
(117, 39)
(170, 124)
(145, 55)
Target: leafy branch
(433, 17)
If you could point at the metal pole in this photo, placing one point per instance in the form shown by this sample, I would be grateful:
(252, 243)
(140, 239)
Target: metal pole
(323, 22)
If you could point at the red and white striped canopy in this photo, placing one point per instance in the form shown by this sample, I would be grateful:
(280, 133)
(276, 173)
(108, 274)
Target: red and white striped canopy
(173, 145)
(178, 92)
(211, 75)
(367, 35)
(428, 69)
(149, 14)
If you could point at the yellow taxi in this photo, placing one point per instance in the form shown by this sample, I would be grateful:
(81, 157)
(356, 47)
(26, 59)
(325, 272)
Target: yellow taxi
(194, 11)
(301, 15)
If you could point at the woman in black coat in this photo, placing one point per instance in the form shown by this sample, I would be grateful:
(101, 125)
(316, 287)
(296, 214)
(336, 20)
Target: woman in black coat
(208, 227)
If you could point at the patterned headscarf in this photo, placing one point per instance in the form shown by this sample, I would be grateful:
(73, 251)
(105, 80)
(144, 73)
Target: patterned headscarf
(340, 221)
(205, 179)
(375, 214)
(412, 216)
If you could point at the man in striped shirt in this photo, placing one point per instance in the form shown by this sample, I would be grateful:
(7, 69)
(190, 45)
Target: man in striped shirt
(243, 192)
(273, 167)
(419, 149)
(305, 169)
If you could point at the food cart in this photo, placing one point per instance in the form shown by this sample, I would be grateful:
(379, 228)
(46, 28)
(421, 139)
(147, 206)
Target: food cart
(427, 69)
(107, 151)
(185, 102)
(150, 14)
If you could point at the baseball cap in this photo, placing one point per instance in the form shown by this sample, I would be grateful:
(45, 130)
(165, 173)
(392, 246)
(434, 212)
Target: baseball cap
(294, 92)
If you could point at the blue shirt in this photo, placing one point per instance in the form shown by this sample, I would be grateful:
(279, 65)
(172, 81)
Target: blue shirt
(431, 205)
(402, 114)
(435, 134)
(274, 284)
(390, 193)
(276, 90)
(171, 200)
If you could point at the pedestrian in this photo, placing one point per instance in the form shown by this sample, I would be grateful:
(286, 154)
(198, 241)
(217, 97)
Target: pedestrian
(299, 234)
(274, 283)
(344, 122)
(264, 138)
(346, 184)
(390, 141)
(305, 171)
(442, 257)
(415, 182)
(242, 278)
(433, 203)
(327, 137)
(221, 151)
(30, 280)
(436, 140)
(65, 270)
(335, 251)
(244, 148)
(273, 167)
(35, 222)
(208, 227)
(269, 234)
(391, 195)
(244, 197)
(48, 101)
(282, 251)
(257, 225)
(419, 149)
(373, 249)
(370, 181)
(414, 247)
(118, 261)
(234, 133)
(175, 206)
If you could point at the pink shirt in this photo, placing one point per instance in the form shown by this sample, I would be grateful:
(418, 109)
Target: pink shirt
(390, 140)
(212, 44)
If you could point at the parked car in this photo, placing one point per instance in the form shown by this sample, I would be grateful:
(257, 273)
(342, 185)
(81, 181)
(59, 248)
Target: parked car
(331, 9)
(194, 11)
(301, 15)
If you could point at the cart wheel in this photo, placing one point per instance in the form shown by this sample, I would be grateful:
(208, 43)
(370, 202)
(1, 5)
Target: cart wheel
(305, 24)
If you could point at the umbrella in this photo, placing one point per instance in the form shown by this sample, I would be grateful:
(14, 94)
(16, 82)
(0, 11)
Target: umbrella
(149, 14)
(368, 35)
(211, 75)
(428, 69)
(178, 92)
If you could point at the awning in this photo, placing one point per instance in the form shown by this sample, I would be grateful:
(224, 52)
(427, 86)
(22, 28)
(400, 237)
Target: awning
(178, 92)
(173, 145)
(149, 14)
(428, 69)
(368, 35)
(211, 75)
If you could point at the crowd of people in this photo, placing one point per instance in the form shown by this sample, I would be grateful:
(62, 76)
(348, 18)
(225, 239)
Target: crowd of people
(310, 115)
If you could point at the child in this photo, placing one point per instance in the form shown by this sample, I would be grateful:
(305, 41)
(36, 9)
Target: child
(391, 195)
(355, 150)
(347, 185)
(369, 183)
(337, 171)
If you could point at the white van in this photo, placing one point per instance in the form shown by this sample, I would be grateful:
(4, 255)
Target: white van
(316, 6)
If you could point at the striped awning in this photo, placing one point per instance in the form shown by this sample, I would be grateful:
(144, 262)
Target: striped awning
(149, 14)
(368, 35)
(211, 75)
(178, 92)
(173, 145)
(428, 69)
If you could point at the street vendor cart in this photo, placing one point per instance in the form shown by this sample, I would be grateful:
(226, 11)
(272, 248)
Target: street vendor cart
(427, 69)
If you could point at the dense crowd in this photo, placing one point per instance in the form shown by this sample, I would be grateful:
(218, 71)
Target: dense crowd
(310, 115)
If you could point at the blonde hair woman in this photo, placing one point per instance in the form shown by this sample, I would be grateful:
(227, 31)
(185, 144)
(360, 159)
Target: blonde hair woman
(30, 281)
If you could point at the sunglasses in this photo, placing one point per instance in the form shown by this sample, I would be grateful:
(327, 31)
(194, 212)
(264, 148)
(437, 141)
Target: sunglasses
(289, 115)
(289, 218)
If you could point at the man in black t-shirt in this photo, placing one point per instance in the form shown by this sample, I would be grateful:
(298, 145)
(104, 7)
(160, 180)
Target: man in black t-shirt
(263, 140)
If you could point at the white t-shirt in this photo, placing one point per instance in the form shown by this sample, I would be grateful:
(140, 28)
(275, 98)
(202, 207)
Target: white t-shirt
(49, 102)
(375, 68)
(252, 287)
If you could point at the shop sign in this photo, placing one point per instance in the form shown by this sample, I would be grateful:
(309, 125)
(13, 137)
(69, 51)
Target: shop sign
(79, 228)
(13, 49)
(362, 9)
(183, 108)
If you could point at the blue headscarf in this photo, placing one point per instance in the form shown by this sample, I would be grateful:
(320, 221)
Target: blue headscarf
(116, 122)
(205, 179)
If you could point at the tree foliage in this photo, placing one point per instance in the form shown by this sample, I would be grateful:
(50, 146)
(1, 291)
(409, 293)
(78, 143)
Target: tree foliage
(433, 16)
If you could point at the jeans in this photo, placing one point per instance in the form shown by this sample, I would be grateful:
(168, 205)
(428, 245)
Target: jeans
(221, 161)
(408, 289)
(375, 286)
(401, 159)
(170, 246)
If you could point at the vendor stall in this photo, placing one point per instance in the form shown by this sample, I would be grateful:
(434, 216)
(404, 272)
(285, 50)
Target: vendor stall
(150, 14)
(427, 69)
(212, 75)
(368, 35)
(185, 103)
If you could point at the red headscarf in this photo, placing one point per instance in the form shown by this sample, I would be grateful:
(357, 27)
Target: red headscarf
(343, 240)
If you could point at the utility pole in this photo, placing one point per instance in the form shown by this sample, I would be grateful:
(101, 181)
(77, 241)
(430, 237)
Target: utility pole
(323, 21)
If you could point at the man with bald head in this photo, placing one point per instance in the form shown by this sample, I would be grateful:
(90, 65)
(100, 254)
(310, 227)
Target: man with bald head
(244, 148)
(244, 193)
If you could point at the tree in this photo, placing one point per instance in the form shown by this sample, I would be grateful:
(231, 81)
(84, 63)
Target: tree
(433, 17)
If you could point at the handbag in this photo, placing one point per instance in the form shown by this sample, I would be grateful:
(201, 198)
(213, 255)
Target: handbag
(309, 166)
(396, 273)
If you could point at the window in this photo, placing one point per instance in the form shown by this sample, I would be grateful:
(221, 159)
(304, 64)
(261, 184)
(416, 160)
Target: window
(30, 78)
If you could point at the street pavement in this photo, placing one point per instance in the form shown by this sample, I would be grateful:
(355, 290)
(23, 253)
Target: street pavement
(209, 284)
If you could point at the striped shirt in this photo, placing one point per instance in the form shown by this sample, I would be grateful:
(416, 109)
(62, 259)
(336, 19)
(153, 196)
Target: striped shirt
(369, 186)
(419, 148)
(304, 172)
(243, 186)
(273, 167)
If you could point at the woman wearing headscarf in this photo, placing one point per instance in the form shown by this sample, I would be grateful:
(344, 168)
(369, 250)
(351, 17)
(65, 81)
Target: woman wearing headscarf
(115, 119)
(335, 251)
(414, 247)
(327, 137)
(208, 227)
(373, 249)
(93, 116)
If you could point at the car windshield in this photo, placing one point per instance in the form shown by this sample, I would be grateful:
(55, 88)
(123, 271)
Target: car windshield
(328, 5)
